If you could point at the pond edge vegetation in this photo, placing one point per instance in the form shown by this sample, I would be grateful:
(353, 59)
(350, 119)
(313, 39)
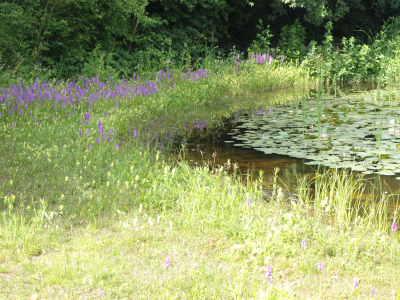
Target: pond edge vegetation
(90, 208)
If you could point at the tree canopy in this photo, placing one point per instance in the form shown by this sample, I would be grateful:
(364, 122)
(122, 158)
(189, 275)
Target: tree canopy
(63, 34)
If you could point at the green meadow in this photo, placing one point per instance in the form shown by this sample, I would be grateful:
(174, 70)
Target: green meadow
(92, 208)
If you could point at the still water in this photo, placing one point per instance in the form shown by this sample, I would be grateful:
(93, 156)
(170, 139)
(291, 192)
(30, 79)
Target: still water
(209, 146)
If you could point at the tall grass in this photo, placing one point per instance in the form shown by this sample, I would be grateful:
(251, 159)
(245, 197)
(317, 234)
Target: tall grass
(114, 218)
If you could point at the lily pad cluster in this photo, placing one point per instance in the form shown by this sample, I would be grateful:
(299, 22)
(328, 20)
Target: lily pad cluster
(357, 133)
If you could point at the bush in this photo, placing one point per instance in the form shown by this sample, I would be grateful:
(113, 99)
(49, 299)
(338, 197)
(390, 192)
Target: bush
(292, 41)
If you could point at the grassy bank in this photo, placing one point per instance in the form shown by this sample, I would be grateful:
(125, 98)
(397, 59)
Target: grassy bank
(91, 210)
(211, 237)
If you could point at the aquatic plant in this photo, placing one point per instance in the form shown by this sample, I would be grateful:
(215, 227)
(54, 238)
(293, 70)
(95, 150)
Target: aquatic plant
(346, 137)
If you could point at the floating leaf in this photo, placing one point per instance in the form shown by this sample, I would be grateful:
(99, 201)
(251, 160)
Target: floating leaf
(349, 138)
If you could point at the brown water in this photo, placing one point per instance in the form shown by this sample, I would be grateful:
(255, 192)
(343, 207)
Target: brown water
(200, 150)
(212, 150)
(208, 146)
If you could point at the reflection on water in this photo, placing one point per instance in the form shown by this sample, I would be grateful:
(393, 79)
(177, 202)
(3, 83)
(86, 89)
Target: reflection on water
(200, 150)
(201, 140)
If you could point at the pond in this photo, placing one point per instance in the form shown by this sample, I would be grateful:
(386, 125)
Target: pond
(356, 132)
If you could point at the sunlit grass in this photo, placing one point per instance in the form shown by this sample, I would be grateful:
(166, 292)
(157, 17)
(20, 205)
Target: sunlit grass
(86, 219)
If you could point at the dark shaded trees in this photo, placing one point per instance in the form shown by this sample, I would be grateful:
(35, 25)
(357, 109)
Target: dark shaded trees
(61, 34)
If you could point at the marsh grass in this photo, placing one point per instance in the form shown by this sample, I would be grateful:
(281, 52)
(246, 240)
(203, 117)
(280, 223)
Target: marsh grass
(219, 247)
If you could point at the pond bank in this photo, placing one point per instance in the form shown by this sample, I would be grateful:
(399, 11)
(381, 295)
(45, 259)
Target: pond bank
(82, 217)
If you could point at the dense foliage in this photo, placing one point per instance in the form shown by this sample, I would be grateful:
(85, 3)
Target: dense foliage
(68, 37)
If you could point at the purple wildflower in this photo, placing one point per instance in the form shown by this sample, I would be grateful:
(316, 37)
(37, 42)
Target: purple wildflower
(321, 267)
(80, 132)
(134, 133)
(88, 131)
(97, 141)
(100, 128)
(106, 113)
(102, 293)
(304, 244)
(394, 227)
(116, 146)
(355, 283)
(269, 271)
(114, 132)
(269, 274)
(52, 116)
(21, 112)
(373, 292)
(248, 201)
(90, 146)
(167, 262)
(86, 115)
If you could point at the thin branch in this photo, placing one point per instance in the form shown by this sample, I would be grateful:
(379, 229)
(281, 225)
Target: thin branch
(40, 33)
(133, 32)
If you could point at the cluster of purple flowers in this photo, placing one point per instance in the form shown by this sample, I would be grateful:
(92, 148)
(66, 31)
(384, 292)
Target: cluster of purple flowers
(195, 76)
(266, 58)
(70, 94)
(197, 124)
(100, 130)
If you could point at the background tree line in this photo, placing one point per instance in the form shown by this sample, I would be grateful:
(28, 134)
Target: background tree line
(71, 36)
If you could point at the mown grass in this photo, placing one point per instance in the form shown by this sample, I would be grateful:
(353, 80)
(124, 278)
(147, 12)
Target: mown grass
(80, 222)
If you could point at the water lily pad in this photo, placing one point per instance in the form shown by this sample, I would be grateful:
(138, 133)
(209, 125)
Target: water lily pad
(387, 173)
(360, 168)
(353, 128)
(312, 163)
(369, 172)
